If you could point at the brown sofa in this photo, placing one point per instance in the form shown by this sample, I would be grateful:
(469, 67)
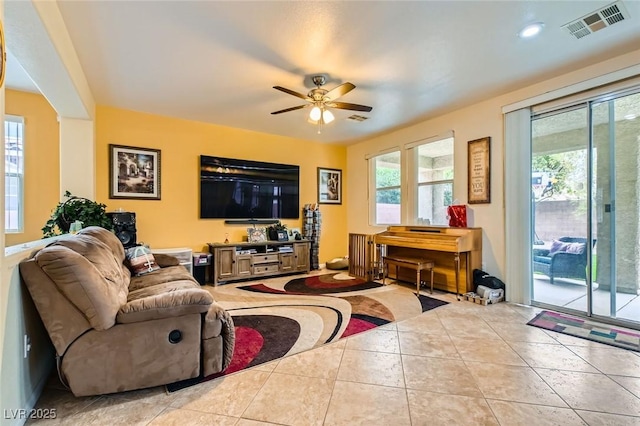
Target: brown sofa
(113, 332)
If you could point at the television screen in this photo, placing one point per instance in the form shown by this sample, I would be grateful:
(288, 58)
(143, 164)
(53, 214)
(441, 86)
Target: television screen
(242, 189)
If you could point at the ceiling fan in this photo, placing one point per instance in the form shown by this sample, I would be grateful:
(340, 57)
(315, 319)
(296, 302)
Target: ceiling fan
(321, 99)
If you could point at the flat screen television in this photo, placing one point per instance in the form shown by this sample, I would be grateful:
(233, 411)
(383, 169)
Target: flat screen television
(242, 189)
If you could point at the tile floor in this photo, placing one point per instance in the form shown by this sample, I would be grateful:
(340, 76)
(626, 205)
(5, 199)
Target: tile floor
(460, 364)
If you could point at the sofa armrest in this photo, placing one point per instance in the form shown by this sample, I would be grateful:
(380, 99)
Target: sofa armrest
(540, 252)
(164, 305)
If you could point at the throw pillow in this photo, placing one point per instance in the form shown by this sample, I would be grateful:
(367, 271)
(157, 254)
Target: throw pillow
(557, 246)
(140, 260)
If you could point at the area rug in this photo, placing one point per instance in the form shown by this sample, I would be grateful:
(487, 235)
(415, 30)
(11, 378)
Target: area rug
(586, 329)
(277, 320)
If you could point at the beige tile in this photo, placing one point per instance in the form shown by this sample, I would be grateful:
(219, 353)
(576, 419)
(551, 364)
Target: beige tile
(64, 404)
(248, 422)
(466, 326)
(291, 400)
(551, 356)
(515, 413)
(267, 366)
(434, 409)
(603, 419)
(493, 352)
(512, 331)
(439, 375)
(632, 384)
(513, 383)
(588, 391)
(114, 412)
(155, 395)
(181, 417)
(322, 362)
(428, 323)
(362, 404)
(610, 360)
(432, 345)
(392, 326)
(375, 340)
(376, 368)
(229, 395)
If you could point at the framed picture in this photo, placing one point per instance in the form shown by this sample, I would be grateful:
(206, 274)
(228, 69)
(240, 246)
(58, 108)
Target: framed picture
(3, 56)
(329, 186)
(134, 172)
(256, 235)
(479, 173)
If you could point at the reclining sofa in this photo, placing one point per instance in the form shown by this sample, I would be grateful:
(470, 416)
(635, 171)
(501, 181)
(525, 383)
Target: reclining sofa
(113, 332)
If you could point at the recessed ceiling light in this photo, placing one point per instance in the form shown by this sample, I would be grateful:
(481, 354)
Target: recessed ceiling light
(531, 30)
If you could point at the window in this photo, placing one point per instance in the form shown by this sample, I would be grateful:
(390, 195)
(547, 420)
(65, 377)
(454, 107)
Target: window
(432, 186)
(387, 173)
(13, 174)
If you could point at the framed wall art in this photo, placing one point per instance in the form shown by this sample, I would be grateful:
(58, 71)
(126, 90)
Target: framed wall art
(329, 186)
(479, 173)
(256, 235)
(134, 172)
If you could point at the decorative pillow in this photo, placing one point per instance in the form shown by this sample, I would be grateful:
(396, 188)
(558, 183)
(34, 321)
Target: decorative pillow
(559, 246)
(140, 260)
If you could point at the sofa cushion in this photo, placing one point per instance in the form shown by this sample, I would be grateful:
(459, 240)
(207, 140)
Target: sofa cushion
(88, 273)
(164, 300)
(164, 275)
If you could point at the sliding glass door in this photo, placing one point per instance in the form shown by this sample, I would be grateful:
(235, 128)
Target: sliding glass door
(586, 214)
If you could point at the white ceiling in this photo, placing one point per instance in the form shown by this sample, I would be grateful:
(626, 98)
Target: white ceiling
(216, 61)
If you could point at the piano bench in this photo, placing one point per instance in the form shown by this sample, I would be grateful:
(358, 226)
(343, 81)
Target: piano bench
(416, 264)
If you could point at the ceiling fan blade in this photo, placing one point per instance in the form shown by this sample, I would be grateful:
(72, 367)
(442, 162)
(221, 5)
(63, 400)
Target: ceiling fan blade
(291, 109)
(341, 90)
(353, 107)
(291, 92)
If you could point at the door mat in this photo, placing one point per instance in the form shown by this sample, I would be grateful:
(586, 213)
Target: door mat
(273, 321)
(587, 329)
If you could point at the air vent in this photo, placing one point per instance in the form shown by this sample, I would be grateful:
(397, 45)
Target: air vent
(356, 117)
(595, 21)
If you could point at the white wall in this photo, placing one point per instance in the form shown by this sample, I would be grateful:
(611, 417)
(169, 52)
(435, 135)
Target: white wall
(477, 121)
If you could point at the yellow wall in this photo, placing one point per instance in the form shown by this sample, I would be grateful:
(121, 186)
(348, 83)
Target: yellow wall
(42, 161)
(174, 220)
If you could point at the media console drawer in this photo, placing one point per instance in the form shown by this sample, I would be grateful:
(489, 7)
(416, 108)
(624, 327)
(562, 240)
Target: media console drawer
(265, 269)
(265, 258)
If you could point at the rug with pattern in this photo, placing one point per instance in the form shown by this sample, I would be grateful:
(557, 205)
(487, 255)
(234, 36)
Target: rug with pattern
(277, 320)
(587, 329)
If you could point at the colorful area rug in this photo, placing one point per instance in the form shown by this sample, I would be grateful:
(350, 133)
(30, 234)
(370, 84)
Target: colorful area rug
(276, 320)
(586, 329)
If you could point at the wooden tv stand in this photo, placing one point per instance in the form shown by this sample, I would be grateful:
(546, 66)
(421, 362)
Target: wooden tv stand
(239, 261)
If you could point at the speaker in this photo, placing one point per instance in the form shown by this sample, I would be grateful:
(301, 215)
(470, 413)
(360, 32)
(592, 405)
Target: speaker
(124, 226)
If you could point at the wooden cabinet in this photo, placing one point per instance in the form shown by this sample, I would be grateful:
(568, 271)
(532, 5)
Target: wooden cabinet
(233, 262)
(301, 257)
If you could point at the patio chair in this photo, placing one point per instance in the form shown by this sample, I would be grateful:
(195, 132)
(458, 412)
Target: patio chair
(566, 258)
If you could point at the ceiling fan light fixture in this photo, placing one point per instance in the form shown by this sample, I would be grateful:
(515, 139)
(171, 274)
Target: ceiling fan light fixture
(315, 113)
(327, 116)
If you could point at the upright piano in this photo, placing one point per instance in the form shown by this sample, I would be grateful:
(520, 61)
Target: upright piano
(455, 251)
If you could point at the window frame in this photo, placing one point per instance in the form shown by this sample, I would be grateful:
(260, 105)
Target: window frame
(373, 189)
(19, 120)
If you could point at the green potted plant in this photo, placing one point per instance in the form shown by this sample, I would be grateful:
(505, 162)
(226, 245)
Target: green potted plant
(90, 213)
(272, 230)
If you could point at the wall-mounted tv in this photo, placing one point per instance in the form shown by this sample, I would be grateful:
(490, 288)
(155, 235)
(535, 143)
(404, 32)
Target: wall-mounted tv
(242, 189)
